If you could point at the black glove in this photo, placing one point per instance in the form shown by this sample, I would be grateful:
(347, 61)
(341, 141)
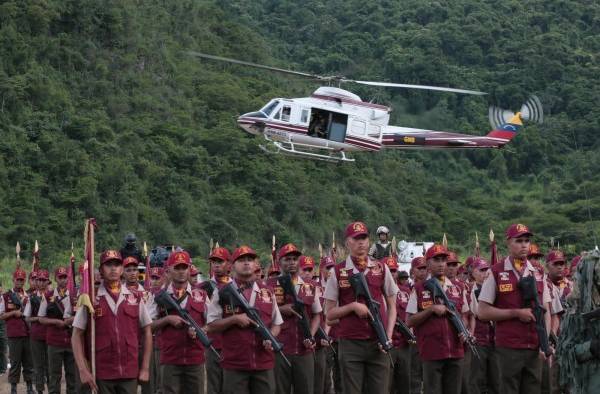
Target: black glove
(595, 347)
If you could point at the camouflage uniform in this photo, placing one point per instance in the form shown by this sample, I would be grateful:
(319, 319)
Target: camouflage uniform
(578, 347)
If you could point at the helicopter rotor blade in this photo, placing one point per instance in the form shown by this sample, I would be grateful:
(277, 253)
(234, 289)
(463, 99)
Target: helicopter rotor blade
(423, 87)
(256, 65)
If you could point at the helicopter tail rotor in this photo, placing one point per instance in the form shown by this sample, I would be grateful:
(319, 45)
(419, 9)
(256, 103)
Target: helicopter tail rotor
(531, 111)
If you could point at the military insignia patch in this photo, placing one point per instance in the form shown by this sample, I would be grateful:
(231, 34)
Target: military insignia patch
(343, 273)
(506, 287)
(344, 283)
(426, 294)
(307, 290)
(426, 304)
(265, 295)
(131, 299)
(504, 276)
(454, 292)
(98, 312)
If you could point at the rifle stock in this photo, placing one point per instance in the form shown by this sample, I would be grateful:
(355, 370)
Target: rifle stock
(529, 294)
(288, 288)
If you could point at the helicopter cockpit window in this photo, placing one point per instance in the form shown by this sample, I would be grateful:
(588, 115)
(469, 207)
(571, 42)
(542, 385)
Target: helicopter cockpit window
(269, 108)
(286, 113)
(304, 116)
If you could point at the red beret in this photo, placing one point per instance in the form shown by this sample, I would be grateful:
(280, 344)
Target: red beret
(306, 262)
(42, 274)
(177, 258)
(534, 251)
(20, 274)
(356, 229)
(436, 250)
(274, 269)
(574, 262)
(110, 255)
(220, 254)
(453, 258)
(417, 262)
(480, 263)
(554, 256)
(243, 251)
(391, 262)
(288, 249)
(156, 272)
(60, 271)
(517, 230)
(130, 260)
(193, 270)
(327, 262)
(33, 275)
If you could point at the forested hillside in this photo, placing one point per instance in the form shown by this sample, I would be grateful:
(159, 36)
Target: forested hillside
(103, 114)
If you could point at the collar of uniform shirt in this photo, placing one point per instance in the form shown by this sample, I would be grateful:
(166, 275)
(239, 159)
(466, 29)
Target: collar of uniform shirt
(350, 263)
(103, 291)
(525, 270)
(221, 279)
(171, 290)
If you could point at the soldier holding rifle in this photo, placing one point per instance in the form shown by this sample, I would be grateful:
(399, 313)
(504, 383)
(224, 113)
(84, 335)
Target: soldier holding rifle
(364, 337)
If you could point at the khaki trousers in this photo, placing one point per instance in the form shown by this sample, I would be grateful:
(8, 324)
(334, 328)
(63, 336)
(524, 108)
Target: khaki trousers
(248, 382)
(364, 368)
(520, 370)
(180, 379)
(300, 375)
(19, 353)
(442, 376)
(400, 375)
(57, 358)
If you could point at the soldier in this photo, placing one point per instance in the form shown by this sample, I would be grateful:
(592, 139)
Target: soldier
(12, 305)
(383, 247)
(500, 300)
(122, 321)
(403, 279)
(579, 342)
(156, 279)
(418, 270)
(296, 346)
(248, 360)
(56, 314)
(400, 376)
(362, 362)
(39, 348)
(220, 268)
(181, 353)
(440, 345)
(194, 274)
(573, 267)
(333, 366)
(484, 376)
(131, 271)
(2, 341)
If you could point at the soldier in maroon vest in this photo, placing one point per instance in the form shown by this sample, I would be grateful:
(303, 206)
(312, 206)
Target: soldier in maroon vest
(500, 300)
(39, 348)
(485, 374)
(181, 353)
(440, 345)
(12, 306)
(363, 364)
(248, 360)
(220, 267)
(56, 313)
(122, 321)
(400, 376)
(156, 282)
(298, 349)
(418, 272)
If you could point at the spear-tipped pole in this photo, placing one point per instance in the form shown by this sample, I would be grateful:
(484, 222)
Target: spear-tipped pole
(394, 250)
(211, 245)
(71, 273)
(445, 241)
(333, 247)
(477, 249)
(320, 251)
(493, 248)
(35, 263)
(147, 283)
(18, 251)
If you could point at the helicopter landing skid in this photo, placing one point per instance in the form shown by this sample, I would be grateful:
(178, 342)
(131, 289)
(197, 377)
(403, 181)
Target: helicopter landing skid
(303, 151)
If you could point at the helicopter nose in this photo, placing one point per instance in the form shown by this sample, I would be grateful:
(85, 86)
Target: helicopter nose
(249, 125)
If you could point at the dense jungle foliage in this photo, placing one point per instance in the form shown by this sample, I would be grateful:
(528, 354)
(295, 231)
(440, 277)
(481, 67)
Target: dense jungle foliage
(104, 114)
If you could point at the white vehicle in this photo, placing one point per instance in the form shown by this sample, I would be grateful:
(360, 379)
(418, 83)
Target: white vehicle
(408, 251)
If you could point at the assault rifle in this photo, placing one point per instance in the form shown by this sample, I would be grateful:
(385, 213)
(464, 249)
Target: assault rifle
(231, 295)
(209, 286)
(17, 301)
(298, 306)
(591, 315)
(529, 293)
(361, 289)
(433, 285)
(166, 301)
(403, 329)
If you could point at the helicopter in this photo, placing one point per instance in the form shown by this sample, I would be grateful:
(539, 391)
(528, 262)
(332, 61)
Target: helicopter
(334, 121)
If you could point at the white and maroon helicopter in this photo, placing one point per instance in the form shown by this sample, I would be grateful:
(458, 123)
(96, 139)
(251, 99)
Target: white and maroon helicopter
(334, 121)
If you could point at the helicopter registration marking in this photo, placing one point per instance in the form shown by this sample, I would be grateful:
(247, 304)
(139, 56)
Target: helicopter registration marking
(409, 140)
(276, 133)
